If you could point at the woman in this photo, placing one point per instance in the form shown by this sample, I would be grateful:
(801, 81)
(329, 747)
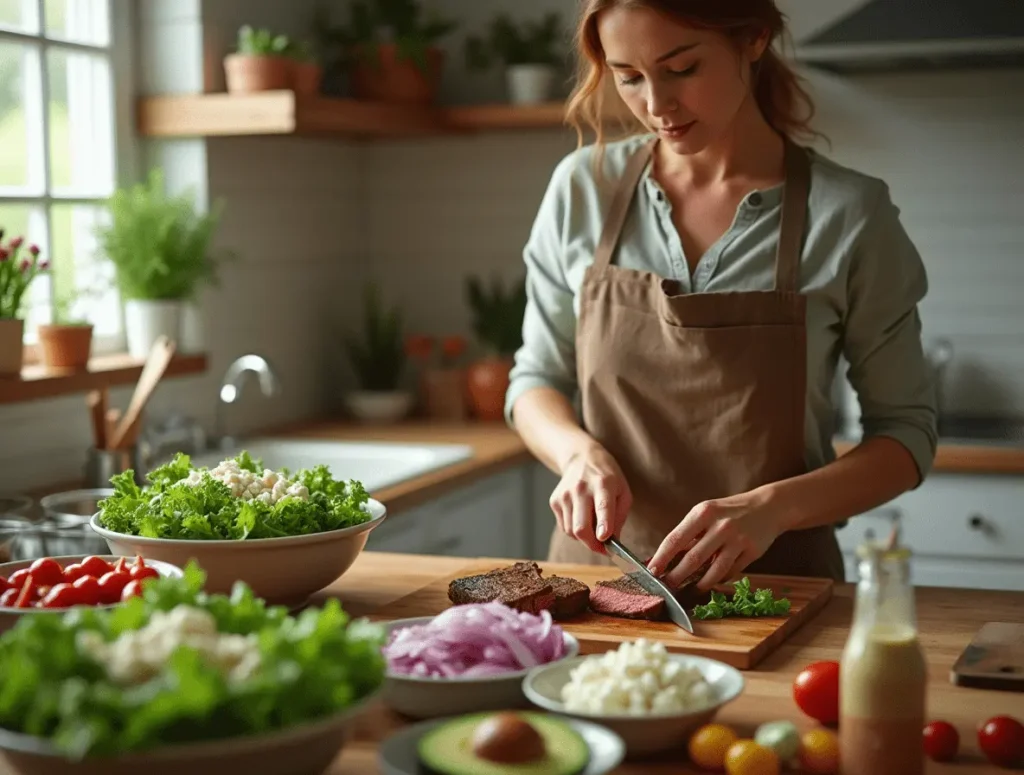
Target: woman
(694, 287)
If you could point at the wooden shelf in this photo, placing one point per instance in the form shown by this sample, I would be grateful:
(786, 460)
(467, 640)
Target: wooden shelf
(104, 371)
(286, 113)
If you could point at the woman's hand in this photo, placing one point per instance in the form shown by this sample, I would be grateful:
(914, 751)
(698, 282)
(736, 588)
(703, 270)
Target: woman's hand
(592, 499)
(734, 530)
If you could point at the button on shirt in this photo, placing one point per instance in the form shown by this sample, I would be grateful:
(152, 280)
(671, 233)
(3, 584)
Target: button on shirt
(861, 273)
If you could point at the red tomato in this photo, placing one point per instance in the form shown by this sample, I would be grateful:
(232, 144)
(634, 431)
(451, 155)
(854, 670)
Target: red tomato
(941, 741)
(73, 572)
(17, 579)
(816, 691)
(112, 585)
(46, 571)
(61, 595)
(88, 590)
(8, 597)
(96, 566)
(25, 594)
(4, 584)
(143, 572)
(132, 589)
(1001, 739)
(121, 565)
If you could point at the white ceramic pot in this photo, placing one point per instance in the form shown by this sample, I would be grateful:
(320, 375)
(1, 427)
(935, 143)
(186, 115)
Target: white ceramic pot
(12, 332)
(530, 84)
(193, 328)
(146, 320)
(379, 406)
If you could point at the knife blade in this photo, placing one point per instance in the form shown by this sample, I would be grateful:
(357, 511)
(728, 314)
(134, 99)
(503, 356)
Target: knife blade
(651, 584)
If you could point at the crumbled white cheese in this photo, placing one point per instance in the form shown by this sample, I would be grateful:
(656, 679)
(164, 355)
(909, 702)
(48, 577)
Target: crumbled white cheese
(136, 656)
(268, 488)
(636, 679)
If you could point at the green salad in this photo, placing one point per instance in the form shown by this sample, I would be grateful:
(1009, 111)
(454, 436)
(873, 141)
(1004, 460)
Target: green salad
(237, 499)
(178, 665)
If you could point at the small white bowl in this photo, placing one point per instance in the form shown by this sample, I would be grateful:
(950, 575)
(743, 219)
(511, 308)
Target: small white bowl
(9, 616)
(419, 697)
(648, 734)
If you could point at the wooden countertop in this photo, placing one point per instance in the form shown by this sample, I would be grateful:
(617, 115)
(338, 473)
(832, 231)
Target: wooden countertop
(948, 619)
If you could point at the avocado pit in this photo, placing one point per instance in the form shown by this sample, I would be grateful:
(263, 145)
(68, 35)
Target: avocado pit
(506, 738)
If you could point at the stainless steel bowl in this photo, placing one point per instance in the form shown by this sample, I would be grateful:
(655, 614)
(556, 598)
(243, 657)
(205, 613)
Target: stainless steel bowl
(65, 525)
(20, 538)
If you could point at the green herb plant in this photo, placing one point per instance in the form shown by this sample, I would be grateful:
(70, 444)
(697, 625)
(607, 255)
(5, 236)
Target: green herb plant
(170, 508)
(159, 244)
(379, 357)
(744, 603)
(17, 272)
(312, 665)
(497, 313)
(262, 42)
(533, 43)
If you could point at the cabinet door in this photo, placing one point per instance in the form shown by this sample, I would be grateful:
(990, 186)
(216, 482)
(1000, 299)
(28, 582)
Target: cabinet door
(540, 519)
(402, 533)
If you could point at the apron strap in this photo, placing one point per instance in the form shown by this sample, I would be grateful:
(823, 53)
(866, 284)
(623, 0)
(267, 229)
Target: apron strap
(794, 218)
(619, 208)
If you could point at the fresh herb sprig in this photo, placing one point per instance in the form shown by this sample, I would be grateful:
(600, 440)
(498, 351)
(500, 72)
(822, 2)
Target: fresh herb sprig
(744, 602)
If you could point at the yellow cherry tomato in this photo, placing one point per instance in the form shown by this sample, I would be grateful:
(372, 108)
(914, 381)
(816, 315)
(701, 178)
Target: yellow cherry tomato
(709, 744)
(747, 757)
(819, 752)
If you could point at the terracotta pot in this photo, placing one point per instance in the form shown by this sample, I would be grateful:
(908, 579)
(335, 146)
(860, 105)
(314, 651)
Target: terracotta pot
(246, 74)
(392, 79)
(306, 78)
(444, 394)
(12, 334)
(65, 347)
(487, 383)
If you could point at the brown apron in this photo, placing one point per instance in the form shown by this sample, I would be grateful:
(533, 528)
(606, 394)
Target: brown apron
(701, 395)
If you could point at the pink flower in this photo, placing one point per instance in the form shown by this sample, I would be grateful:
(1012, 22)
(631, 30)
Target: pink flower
(33, 249)
(25, 264)
(4, 254)
(44, 265)
(16, 243)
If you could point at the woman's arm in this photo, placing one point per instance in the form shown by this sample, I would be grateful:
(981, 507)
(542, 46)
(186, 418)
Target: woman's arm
(547, 423)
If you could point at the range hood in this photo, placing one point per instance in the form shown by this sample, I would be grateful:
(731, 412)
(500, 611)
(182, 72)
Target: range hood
(887, 35)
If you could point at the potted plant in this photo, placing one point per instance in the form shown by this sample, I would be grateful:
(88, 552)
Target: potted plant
(160, 248)
(442, 377)
(260, 63)
(530, 54)
(498, 324)
(378, 359)
(66, 343)
(17, 272)
(307, 71)
(390, 47)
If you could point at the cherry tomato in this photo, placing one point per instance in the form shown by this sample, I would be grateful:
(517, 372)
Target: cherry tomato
(112, 585)
(73, 572)
(17, 579)
(46, 571)
(132, 589)
(941, 741)
(746, 757)
(816, 691)
(8, 597)
(61, 595)
(1001, 739)
(819, 752)
(88, 590)
(4, 584)
(709, 744)
(96, 566)
(143, 572)
(121, 565)
(25, 594)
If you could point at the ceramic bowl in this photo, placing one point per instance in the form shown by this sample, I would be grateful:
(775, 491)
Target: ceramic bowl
(424, 698)
(10, 616)
(647, 734)
(398, 754)
(282, 571)
(308, 747)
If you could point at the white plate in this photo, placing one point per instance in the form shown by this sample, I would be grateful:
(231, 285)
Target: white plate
(398, 754)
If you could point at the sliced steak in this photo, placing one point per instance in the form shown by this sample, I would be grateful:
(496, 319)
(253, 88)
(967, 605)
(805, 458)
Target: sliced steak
(626, 599)
(571, 597)
(519, 586)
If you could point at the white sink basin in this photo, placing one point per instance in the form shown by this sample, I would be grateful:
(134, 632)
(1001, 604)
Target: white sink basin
(375, 464)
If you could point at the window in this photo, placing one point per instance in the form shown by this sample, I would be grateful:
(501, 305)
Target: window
(58, 151)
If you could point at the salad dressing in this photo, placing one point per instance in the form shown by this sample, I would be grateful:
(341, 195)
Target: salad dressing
(883, 675)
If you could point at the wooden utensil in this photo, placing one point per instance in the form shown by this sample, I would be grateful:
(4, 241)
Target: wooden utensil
(156, 364)
(113, 417)
(97, 401)
(994, 659)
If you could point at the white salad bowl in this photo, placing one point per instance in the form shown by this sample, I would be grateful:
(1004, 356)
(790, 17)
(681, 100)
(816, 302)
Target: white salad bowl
(282, 571)
(9, 616)
(425, 697)
(643, 734)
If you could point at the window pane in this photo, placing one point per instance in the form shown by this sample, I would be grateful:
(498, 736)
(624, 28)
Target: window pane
(28, 222)
(83, 21)
(20, 119)
(81, 128)
(83, 279)
(19, 15)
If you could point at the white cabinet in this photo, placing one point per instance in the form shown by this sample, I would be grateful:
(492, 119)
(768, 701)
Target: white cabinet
(541, 519)
(965, 531)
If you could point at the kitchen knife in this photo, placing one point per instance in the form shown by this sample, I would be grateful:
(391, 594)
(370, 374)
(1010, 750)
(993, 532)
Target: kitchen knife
(651, 584)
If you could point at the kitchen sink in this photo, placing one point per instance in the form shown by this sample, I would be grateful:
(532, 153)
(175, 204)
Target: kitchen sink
(375, 464)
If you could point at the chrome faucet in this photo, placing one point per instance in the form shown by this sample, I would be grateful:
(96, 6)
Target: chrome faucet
(231, 388)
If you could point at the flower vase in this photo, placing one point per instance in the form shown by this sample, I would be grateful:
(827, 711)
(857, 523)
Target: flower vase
(444, 394)
(12, 334)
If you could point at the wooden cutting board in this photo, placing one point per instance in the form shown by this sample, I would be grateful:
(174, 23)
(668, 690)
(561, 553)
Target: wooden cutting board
(740, 642)
(994, 659)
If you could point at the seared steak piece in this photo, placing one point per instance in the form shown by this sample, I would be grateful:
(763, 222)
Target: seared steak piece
(519, 586)
(626, 599)
(571, 597)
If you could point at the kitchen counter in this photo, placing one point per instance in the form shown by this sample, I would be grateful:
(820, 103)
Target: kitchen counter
(948, 619)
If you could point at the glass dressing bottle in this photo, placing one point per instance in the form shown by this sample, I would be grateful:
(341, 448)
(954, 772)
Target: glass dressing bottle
(883, 675)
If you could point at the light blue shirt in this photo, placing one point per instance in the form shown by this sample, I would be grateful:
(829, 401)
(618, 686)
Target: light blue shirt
(862, 276)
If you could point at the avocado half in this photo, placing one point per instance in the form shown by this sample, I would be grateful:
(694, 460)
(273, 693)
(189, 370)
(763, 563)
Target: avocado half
(447, 749)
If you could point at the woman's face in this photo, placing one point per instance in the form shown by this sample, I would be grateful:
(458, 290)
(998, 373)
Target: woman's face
(685, 83)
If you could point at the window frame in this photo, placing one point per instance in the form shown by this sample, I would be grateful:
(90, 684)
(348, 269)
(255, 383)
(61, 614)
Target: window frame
(120, 52)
